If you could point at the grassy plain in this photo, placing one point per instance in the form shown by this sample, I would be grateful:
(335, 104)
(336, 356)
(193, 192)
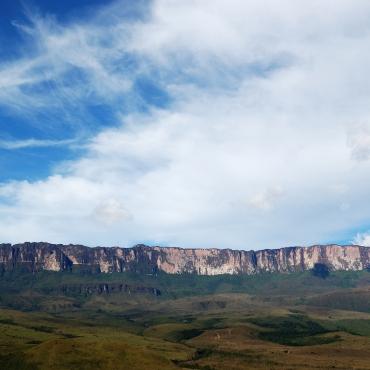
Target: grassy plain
(269, 321)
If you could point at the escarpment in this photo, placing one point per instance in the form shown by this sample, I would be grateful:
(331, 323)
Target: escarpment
(35, 257)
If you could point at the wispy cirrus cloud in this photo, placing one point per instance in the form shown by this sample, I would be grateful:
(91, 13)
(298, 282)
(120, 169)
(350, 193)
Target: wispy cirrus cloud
(34, 143)
(68, 69)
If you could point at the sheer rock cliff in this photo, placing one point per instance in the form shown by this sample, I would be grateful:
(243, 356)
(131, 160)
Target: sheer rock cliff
(35, 257)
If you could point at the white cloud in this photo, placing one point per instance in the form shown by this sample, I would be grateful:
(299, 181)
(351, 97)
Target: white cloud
(359, 142)
(265, 200)
(259, 120)
(111, 211)
(362, 239)
(33, 143)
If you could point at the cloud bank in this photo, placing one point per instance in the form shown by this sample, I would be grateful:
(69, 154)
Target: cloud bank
(262, 140)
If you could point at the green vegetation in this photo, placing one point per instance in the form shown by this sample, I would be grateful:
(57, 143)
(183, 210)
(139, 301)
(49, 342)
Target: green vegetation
(321, 270)
(274, 321)
(293, 330)
(177, 286)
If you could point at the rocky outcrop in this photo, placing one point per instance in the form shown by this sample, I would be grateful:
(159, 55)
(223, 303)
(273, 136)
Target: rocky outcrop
(35, 257)
(107, 288)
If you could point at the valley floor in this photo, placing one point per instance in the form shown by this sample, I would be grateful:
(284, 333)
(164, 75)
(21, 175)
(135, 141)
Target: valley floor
(252, 338)
(218, 331)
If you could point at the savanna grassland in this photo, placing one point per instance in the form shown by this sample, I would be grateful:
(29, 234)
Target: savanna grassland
(270, 321)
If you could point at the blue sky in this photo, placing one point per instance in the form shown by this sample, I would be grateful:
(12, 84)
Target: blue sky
(197, 124)
(35, 163)
(75, 120)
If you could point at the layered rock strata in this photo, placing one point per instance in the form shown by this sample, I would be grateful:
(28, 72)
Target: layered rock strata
(144, 259)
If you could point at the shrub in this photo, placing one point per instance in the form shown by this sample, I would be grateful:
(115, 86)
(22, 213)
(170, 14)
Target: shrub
(320, 270)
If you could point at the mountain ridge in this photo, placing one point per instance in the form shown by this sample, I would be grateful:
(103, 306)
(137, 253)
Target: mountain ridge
(38, 256)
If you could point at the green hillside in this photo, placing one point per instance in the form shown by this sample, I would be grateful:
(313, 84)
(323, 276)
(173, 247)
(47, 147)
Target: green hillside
(269, 321)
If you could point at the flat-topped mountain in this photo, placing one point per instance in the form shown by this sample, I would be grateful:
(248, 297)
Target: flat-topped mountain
(144, 259)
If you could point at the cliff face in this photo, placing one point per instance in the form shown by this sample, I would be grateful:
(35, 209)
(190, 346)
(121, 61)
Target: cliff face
(143, 259)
